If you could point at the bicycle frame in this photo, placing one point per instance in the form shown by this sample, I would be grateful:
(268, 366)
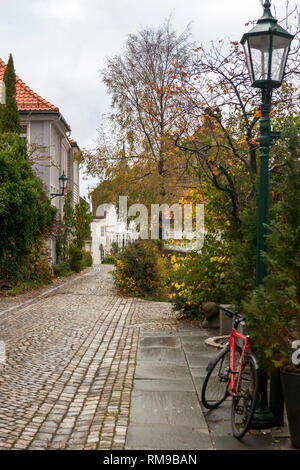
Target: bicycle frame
(233, 372)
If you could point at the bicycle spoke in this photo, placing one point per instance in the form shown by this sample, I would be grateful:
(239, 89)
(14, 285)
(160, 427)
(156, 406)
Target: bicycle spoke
(243, 404)
(215, 387)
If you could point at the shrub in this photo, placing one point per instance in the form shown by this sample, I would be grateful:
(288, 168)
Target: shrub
(280, 313)
(109, 260)
(25, 212)
(87, 260)
(36, 270)
(141, 270)
(276, 304)
(76, 256)
(115, 250)
(240, 281)
(199, 277)
(62, 269)
(75, 228)
(38, 265)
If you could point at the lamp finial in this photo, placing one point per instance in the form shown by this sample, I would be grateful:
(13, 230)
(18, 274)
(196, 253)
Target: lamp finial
(267, 16)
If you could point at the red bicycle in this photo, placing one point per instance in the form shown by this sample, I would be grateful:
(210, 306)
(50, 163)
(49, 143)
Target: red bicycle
(233, 373)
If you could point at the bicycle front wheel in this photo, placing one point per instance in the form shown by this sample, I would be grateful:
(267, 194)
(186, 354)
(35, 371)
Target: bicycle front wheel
(243, 404)
(216, 383)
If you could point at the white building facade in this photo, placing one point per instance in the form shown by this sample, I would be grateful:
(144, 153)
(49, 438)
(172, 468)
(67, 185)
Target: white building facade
(108, 229)
(51, 150)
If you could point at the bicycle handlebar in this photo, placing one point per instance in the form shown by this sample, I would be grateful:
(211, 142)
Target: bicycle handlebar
(231, 314)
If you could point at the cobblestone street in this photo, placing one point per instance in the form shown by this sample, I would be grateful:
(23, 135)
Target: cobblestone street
(87, 369)
(70, 365)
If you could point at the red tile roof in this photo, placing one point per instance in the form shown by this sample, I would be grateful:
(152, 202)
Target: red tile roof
(73, 143)
(27, 100)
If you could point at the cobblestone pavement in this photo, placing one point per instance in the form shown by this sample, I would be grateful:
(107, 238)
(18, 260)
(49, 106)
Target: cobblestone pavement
(70, 364)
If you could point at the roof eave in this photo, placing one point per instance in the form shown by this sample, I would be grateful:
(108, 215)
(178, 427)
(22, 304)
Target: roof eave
(53, 112)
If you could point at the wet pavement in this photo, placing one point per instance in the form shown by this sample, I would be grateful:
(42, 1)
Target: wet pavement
(89, 369)
(166, 409)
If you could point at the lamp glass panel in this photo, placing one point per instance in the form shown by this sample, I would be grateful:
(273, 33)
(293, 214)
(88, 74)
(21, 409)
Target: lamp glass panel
(248, 61)
(260, 54)
(62, 184)
(280, 52)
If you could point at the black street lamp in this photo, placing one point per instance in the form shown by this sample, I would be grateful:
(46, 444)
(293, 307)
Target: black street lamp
(266, 47)
(62, 186)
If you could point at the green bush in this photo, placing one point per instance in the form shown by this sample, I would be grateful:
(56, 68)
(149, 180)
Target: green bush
(115, 250)
(87, 260)
(38, 266)
(82, 223)
(76, 257)
(109, 260)
(25, 212)
(75, 228)
(62, 269)
(273, 311)
(141, 270)
(199, 277)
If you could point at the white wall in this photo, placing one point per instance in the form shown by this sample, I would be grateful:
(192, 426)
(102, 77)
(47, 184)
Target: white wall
(114, 231)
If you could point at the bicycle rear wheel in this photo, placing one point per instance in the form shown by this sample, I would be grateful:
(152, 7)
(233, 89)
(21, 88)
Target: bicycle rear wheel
(243, 405)
(215, 386)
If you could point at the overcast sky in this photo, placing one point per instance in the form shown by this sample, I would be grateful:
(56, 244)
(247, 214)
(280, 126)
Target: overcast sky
(59, 45)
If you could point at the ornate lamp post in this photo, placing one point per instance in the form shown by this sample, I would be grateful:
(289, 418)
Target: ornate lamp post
(266, 48)
(62, 186)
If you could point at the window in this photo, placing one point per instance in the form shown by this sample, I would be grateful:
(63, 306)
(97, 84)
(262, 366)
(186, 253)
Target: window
(102, 231)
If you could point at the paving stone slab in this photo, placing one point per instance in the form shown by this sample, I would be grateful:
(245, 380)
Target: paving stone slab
(198, 383)
(221, 428)
(199, 371)
(192, 339)
(220, 414)
(170, 355)
(247, 443)
(160, 342)
(284, 444)
(157, 333)
(197, 359)
(147, 370)
(197, 346)
(164, 385)
(188, 332)
(175, 408)
(167, 437)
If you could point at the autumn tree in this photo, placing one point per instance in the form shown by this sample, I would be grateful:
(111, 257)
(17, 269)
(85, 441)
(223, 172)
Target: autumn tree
(218, 128)
(219, 116)
(9, 115)
(136, 154)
